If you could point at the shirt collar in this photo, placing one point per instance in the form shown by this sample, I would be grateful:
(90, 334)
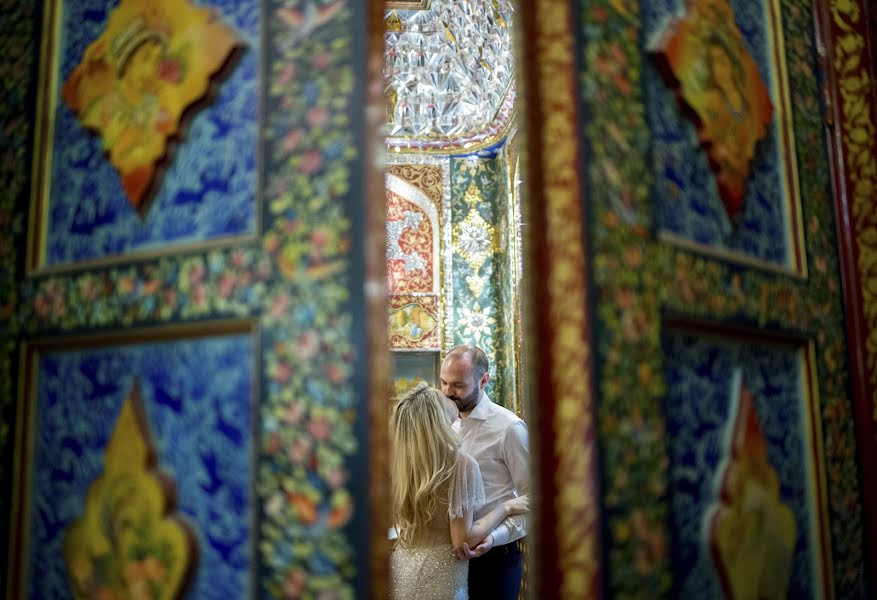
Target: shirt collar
(481, 410)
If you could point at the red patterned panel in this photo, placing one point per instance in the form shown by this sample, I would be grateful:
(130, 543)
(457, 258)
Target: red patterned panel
(411, 238)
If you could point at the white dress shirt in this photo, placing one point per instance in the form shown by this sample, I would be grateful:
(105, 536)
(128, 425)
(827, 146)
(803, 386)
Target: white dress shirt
(497, 439)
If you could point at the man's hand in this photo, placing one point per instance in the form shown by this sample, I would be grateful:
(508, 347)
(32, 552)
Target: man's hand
(465, 553)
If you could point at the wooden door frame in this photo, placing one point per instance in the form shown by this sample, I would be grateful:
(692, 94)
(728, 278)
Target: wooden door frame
(846, 54)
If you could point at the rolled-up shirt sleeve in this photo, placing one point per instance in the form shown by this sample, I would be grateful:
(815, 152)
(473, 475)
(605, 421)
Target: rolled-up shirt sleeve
(516, 453)
(511, 529)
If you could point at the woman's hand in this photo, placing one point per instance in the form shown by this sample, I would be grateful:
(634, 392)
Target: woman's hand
(466, 553)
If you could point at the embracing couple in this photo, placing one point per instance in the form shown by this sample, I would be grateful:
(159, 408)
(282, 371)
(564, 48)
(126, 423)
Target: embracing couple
(460, 478)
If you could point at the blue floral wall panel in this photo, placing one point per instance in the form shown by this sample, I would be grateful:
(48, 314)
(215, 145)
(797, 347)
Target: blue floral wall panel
(685, 196)
(198, 400)
(210, 186)
(699, 372)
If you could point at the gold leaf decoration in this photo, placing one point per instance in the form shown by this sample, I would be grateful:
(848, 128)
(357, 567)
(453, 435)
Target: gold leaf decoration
(859, 134)
(475, 240)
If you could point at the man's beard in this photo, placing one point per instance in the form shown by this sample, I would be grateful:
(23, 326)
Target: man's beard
(468, 403)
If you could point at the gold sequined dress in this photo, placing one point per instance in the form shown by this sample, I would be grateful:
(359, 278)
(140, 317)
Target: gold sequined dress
(429, 571)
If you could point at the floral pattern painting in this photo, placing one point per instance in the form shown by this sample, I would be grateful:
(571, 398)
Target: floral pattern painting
(412, 245)
(646, 177)
(299, 188)
(479, 265)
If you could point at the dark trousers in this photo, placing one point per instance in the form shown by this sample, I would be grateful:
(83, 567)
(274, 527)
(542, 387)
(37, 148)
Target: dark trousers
(496, 575)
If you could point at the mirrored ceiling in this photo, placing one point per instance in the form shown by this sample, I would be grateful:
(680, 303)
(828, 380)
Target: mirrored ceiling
(450, 72)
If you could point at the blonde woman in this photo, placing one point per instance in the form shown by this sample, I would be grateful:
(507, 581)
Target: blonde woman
(436, 490)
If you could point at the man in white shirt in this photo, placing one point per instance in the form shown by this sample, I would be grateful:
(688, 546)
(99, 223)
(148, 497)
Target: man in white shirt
(497, 439)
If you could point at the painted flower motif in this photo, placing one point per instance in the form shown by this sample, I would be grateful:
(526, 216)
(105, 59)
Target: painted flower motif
(336, 477)
(336, 373)
(477, 322)
(126, 285)
(295, 583)
(341, 508)
(238, 257)
(300, 450)
(322, 59)
(274, 444)
(293, 413)
(307, 345)
(225, 285)
(320, 428)
(282, 372)
(292, 140)
(318, 116)
(287, 73)
(279, 305)
(199, 296)
(274, 505)
(88, 287)
(311, 162)
(304, 507)
(473, 240)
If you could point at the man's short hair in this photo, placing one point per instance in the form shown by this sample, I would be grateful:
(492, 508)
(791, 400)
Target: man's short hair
(480, 364)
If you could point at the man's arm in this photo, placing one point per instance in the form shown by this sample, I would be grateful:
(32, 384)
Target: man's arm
(484, 526)
(480, 536)
(516, 453)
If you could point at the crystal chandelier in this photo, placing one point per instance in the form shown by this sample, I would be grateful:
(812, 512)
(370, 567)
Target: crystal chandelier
(449, 73)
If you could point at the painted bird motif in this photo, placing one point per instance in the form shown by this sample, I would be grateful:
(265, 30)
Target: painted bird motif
(304, 21)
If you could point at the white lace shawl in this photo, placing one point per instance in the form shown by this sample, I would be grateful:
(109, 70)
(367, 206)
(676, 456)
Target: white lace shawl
(466, 490)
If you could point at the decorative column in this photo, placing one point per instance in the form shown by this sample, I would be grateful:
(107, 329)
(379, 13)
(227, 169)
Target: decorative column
(480, 269)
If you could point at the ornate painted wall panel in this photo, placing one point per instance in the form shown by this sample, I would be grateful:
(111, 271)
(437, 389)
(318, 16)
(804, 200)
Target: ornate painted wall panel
(700, 410)
(508, 315)
(300, 279)
(688, 206)
(413, 235)
(209, 187)
(418, 214)
(200, 407)
(414, 322)
(414, 266)
(479, 266)
(639, 278)
(559, 302)
(852, 117)
(474, 271)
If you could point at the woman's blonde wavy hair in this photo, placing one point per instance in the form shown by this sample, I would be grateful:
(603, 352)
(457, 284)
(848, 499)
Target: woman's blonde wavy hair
(424, 455)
